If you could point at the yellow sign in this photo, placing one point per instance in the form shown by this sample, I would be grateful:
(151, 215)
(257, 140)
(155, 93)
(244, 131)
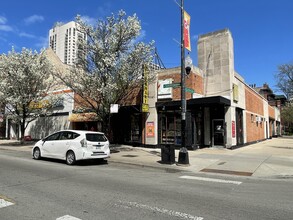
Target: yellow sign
(145, 107)
(39, 105)
(145, 96)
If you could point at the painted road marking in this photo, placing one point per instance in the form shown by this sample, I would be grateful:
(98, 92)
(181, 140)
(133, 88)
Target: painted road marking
(67, 217)
(210, 180)
(5, 203)
(172, 213)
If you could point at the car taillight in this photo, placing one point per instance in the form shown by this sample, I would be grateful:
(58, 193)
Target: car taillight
(83, 143)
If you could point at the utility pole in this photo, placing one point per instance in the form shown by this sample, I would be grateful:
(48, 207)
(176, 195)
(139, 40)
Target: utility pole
(183, 153)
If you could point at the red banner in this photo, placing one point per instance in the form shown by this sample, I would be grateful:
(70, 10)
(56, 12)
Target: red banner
(187, 44)
(233, 129)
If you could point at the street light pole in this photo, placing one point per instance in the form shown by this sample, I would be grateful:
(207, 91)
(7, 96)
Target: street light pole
(183, 153)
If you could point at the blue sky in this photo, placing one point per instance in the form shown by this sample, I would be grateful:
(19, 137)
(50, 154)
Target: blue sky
(262, 30)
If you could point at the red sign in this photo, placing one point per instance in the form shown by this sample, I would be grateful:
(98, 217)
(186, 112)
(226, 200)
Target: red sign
(233, 129)
(150, 129)
(187, 31)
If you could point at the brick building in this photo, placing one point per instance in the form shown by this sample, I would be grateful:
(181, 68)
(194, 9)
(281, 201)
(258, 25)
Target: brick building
(222, 110)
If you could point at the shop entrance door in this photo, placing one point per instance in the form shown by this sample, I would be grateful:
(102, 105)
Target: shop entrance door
(218, 135)
(197, 137)
(239, 127)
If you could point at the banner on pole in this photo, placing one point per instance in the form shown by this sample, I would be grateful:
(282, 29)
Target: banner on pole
(187, 44)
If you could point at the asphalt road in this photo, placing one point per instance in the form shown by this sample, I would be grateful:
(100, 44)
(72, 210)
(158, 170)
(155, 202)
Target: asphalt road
(49, 189)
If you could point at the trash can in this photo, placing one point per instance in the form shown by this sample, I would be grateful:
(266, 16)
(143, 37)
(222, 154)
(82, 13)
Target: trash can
(167, 154)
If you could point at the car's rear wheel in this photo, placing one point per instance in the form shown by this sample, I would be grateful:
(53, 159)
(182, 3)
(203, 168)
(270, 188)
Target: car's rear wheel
(70, 158)
(37, 153)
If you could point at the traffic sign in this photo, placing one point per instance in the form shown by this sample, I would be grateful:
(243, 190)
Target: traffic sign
(189, 90)
(172, 85)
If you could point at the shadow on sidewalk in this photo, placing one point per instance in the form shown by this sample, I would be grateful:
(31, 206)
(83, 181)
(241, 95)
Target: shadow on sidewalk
(15, 143)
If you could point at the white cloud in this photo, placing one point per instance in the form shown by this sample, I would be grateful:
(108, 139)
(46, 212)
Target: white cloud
(3, 20)
(33, 19)
(88, 20)
(24, 34)
(4, 27)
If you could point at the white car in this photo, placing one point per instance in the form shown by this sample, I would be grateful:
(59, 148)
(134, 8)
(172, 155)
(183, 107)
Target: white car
(72, 145)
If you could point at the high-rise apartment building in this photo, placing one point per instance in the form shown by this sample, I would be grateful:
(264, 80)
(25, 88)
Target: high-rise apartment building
(63, 39)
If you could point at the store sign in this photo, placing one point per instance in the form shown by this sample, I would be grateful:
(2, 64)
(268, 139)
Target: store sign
(39, 104)
(145, 97)
(150, 129)
(164, 91)
(144, 107)
(196, 95)
(114, 108)
(233, 129)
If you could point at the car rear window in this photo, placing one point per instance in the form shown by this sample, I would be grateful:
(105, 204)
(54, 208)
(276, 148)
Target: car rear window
(95, 137)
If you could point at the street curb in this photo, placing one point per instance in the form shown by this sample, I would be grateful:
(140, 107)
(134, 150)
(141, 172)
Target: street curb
(167, 169)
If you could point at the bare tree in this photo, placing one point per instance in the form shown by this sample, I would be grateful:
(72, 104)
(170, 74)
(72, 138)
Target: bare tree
(284, 78)
(24, 86)
(287, 118)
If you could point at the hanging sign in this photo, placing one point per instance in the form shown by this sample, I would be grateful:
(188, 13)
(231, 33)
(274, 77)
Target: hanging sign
(186, 33)
(145, 95)
(164, 90)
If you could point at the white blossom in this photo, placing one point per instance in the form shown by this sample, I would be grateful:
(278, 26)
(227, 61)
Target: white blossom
(110, 63)
(24, 81)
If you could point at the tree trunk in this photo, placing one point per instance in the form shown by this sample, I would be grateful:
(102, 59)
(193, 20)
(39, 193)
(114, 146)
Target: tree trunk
(22, 130)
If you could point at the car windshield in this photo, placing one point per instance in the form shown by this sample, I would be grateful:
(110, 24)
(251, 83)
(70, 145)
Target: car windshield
(95, 137)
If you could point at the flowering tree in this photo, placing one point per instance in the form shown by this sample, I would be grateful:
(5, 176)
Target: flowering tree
(24, 85)
(109, 63)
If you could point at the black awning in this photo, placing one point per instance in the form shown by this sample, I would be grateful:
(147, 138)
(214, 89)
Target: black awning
(219, 100)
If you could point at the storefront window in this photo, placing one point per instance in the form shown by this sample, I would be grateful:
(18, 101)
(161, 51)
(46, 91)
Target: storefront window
(135, 131)
(170, 128)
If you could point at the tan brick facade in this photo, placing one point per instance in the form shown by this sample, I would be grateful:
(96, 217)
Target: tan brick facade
(255, 130)
(254, 102)
(254, 108)
(271, 112)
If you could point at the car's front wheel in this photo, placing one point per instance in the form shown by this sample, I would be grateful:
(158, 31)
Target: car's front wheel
(70, 158)
(37, 153)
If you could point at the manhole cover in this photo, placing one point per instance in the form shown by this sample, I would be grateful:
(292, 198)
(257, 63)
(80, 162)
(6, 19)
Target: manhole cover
(129, 156)
(230, 172)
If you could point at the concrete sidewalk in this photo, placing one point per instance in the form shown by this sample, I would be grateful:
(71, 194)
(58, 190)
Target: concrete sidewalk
(268, 159)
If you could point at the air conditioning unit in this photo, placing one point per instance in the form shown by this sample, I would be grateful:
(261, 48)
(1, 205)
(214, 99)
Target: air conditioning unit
(258, 119)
